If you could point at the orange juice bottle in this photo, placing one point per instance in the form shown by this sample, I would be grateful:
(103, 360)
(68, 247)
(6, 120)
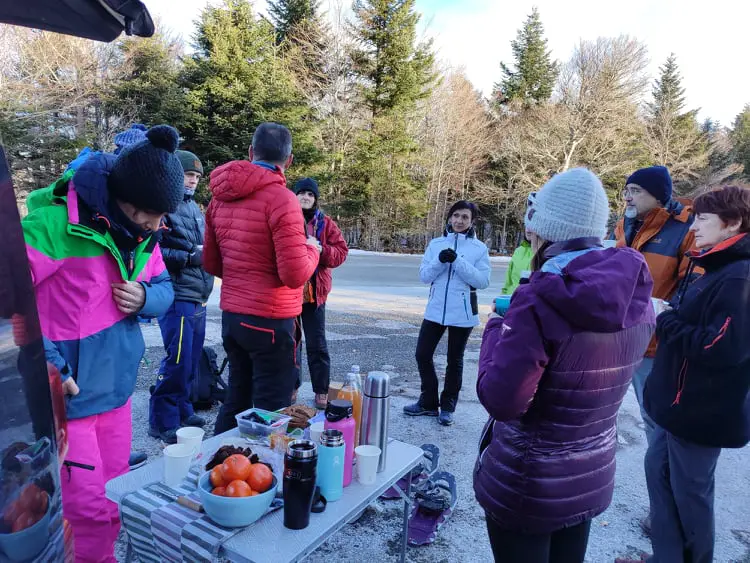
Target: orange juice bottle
(352, 391)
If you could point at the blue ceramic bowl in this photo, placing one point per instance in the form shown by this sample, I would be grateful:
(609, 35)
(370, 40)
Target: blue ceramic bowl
(234, 512)
(28, 543)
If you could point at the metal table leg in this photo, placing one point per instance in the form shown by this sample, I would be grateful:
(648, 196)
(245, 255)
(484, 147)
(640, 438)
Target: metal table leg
(407, 510)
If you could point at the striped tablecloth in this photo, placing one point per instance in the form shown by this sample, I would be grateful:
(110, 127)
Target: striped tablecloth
(159, 529)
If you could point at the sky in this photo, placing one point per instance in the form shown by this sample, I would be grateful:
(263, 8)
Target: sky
(709, 38)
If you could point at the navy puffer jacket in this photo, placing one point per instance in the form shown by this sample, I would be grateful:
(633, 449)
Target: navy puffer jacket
(185, 232)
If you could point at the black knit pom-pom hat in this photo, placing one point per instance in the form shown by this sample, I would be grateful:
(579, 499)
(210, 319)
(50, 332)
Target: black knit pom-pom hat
(149, 174)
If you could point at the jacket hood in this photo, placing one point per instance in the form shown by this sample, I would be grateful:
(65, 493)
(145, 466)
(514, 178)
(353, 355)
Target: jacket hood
(241, 178)
(600, 290)
(90, 182)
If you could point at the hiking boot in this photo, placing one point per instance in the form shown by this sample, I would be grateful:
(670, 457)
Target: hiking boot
(137, 459)
(321, 400)
(194, 420)
(166, 436)
(445, 418)
(416, 409)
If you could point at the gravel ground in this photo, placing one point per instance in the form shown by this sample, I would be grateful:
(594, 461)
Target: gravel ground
(383, 333)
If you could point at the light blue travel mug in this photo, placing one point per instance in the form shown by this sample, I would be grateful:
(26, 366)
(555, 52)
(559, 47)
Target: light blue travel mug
(331, 455)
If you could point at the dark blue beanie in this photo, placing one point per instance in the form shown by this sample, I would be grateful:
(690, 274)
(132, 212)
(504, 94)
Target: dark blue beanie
(307, 185)
(655, 180)
(149, 174)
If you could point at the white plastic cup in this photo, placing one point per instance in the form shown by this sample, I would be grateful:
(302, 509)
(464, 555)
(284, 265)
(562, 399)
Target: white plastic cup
(191, 436)
(316, 429)
(177, 459)
(367, 463)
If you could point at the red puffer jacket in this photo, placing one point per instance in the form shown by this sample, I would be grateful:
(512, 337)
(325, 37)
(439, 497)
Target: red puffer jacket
(255, 241)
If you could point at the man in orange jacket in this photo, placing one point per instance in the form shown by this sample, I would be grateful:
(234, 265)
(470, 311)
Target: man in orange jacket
(657, 226)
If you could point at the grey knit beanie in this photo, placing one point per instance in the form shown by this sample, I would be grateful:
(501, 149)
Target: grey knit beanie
(570, 205)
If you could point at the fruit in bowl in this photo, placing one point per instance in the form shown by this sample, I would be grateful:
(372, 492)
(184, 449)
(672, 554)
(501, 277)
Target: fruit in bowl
(26, 525)
(238, 477)
(235, 504)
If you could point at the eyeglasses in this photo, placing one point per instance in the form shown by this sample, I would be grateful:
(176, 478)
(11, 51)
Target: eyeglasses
(631, 191)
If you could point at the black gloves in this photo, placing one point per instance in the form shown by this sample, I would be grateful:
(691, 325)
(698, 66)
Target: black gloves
(447, 255)
(195, 258)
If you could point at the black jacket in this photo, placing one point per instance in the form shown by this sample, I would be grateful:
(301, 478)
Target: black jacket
(698, 387)
(182, 239)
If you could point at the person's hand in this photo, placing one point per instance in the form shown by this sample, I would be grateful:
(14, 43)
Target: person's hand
(661, 306)
(312, 241)
(493, 312)
(70, 387)
(447, 255)
(195, 258)
(129, 296)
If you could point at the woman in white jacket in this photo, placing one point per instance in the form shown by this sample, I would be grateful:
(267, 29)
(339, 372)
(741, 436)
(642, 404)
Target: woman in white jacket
(455, 265)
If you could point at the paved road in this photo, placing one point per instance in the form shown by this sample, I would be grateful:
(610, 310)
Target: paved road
(373, 320)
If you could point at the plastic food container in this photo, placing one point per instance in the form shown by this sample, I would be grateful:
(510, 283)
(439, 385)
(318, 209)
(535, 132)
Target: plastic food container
(277, 424)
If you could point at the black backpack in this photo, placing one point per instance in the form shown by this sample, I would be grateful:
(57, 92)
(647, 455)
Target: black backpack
(208, 387)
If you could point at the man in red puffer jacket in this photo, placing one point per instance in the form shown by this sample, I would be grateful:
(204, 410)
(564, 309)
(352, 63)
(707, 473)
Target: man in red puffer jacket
(256, 243)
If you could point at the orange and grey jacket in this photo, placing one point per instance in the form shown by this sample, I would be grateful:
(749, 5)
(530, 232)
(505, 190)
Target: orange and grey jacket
(664, 239)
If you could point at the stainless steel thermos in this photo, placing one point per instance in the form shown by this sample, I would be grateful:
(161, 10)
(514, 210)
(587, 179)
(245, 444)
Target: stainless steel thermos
(375, 412)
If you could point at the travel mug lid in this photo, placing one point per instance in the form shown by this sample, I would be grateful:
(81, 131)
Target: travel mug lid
(332, 438)
(378, 384)
(301, 449)
(339, 409)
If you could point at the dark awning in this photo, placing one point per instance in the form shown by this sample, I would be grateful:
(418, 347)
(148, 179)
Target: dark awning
(101, 20)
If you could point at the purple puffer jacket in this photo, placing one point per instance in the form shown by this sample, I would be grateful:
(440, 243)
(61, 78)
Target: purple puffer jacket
(552, 375)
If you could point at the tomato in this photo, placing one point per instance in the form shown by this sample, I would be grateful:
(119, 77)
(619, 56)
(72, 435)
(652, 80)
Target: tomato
(238, 488)
(260, 478)
(12, 511)
(219, 491)
(236, 467)
(217, 477)
(34, 499)
(42, 502)
(25, 520)
(254, 493)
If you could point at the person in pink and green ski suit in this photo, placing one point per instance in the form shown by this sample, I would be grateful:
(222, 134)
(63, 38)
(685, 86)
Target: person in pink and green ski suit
(96, 266)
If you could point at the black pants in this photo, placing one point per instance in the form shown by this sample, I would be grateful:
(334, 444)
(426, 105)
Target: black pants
(262, 372)
(563, 546)
(318, 358)
(429, 338)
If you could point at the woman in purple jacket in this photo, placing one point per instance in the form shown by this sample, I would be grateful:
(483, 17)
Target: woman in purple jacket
(552, 375)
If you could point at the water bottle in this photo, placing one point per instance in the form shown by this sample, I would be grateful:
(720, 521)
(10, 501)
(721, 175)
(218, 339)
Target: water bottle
(331, 455)
(339, 416)
(375, 412)
(352, 391)
(300, 473)
(356, 371)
